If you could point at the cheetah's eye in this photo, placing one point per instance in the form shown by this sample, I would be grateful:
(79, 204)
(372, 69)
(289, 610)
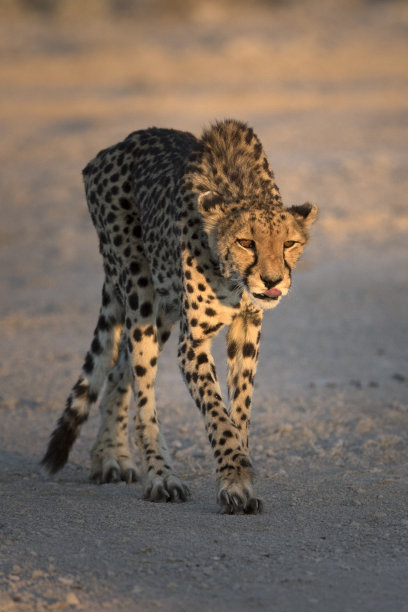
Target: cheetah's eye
(288, 243)
(247, 244)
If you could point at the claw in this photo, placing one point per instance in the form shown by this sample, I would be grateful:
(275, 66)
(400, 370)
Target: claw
(254, 506)
(235, 504)
(156, 493)
(225, 503)
(167, 489)
(179, 493)
(174, 494)
(130, 475)
(112, 475)
(160, 494)
(110, 469)
(186, 493)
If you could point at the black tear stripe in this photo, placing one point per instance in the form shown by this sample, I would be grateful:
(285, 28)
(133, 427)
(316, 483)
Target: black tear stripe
(289, 268)
(249, 268)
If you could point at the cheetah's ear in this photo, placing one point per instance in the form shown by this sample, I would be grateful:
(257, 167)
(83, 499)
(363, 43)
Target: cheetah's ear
(210, 205)
(306, 213)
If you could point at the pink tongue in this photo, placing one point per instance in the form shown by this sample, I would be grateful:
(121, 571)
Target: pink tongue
(274, 292)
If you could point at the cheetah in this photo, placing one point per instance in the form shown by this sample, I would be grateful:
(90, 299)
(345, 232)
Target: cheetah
(190, 230)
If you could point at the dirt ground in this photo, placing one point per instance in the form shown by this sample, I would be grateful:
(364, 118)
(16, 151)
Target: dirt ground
(325, 86)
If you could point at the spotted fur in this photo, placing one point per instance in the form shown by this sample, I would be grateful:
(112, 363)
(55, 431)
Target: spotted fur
(190, 230)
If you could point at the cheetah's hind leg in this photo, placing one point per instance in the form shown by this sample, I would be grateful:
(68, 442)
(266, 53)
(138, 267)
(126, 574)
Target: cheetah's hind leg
(111, 456)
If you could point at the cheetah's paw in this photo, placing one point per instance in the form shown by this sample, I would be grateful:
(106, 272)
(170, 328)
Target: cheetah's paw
(167, 488)
(235, 494)
(110, 470)
(238, 502)
(237, 499)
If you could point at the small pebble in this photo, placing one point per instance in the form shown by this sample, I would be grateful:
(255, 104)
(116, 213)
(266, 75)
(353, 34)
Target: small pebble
(66, 580)
(37, 574)
(72, 600)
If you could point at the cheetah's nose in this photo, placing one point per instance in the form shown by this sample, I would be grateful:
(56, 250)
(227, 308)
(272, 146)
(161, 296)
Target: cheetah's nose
(269, 282)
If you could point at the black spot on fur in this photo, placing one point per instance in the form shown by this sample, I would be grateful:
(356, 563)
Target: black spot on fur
(137, 335)
(137, 231)
(88, 364)
(105, 297)
(125, 203)
(146, 309)
(80, 388)
(103, 324)
(134, 267)
(133, 301)
(210, 312)
(202, 358)
(232, 349)
(248, 350)
(165, 336)
(96, 346)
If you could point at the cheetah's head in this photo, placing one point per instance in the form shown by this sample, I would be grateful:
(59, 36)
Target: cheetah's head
(257, 245)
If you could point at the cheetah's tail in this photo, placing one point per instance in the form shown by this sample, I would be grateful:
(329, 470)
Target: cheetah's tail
(99, 360)
(68, 427)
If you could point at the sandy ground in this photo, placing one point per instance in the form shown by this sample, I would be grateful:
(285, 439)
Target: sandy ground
(326, 88)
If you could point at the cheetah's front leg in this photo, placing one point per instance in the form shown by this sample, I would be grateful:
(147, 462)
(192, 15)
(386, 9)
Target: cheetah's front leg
(243, 339)
(160, 481)
(234, 472)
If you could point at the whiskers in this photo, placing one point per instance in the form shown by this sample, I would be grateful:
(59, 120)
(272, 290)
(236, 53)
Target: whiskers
(238, 287)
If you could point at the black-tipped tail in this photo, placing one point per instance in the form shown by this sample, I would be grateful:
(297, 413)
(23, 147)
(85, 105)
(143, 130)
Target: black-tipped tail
(61, 441)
